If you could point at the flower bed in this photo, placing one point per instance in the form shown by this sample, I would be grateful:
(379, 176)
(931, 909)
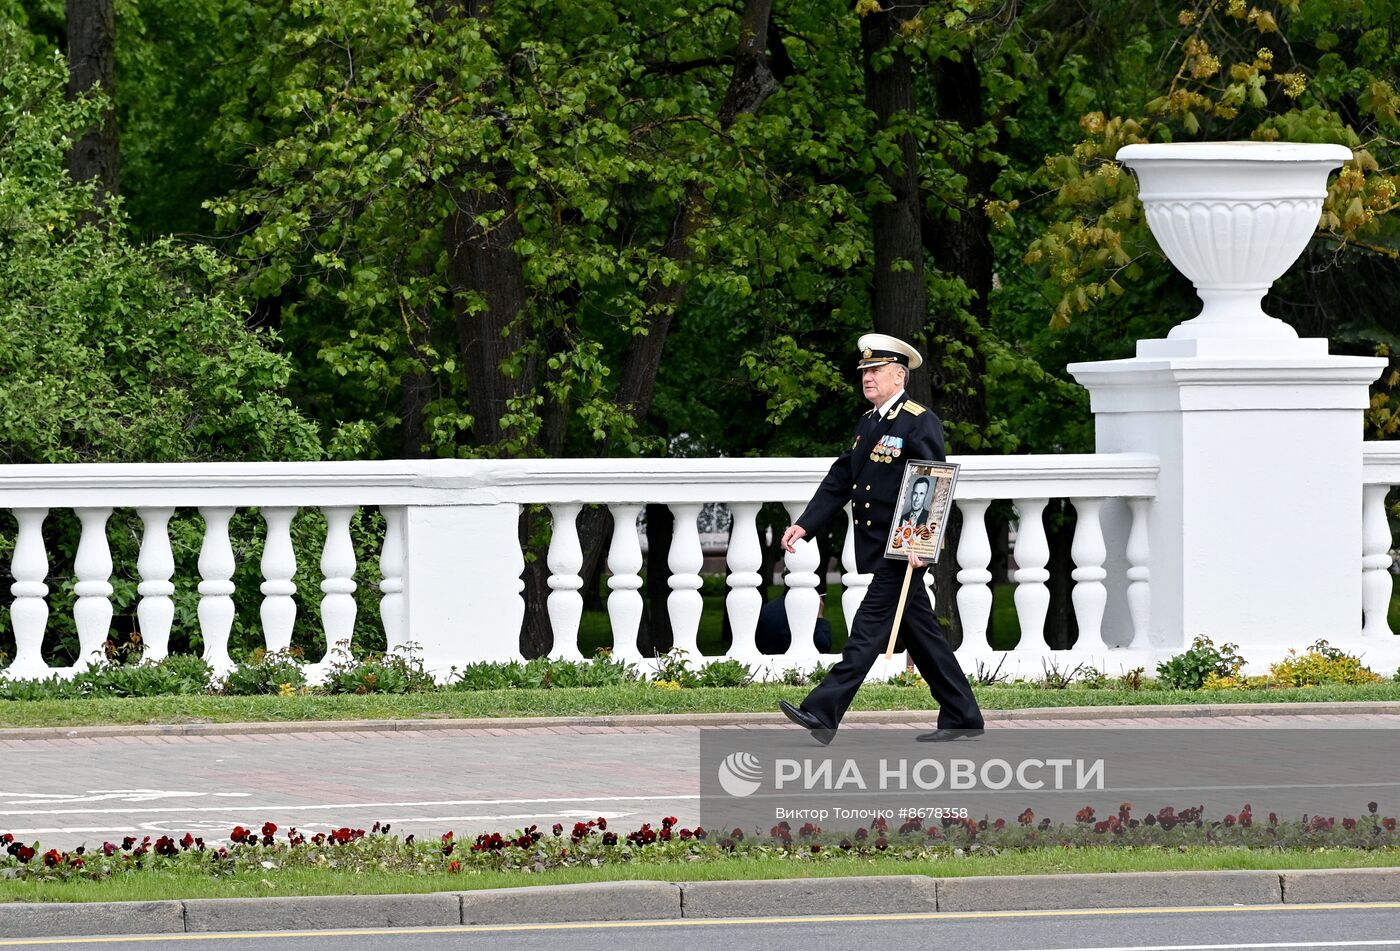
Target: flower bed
(256, 850)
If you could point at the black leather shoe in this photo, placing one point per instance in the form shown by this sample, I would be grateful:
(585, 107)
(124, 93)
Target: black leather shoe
(948, 736)
(820, 732)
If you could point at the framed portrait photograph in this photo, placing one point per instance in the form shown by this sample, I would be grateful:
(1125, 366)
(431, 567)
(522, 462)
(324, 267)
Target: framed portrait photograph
(921, 514)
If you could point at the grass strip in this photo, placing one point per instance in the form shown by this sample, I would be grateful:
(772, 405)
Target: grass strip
(165, 884)
(607, 701)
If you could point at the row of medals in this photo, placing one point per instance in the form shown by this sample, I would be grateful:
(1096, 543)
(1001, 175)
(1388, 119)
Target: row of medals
(887, 449)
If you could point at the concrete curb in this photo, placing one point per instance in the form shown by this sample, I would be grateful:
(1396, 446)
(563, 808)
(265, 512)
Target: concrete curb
(659, 901)
(893, 717)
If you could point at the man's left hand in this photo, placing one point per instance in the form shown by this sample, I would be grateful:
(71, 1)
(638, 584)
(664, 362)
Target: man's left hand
(916, 561)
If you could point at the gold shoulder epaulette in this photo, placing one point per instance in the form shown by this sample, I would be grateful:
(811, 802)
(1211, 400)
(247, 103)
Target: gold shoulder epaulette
(913, 409)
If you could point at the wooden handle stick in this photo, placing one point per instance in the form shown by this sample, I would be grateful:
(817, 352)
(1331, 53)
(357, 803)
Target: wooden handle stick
(899, 610)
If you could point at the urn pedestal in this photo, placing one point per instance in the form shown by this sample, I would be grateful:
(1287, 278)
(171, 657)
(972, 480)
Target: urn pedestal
(1255, 533)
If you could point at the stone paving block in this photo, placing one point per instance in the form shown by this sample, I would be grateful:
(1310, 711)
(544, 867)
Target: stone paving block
(1341, 885)
(873, 895)
(1110, 890)
(336, 911)
(45, 920)
(602, 901)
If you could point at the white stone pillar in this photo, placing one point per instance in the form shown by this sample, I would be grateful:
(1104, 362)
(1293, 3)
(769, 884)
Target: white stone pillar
(1257, 520)
(462, 584)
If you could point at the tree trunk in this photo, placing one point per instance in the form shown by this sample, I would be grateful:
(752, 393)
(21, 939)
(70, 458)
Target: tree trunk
(92, 33)
(899, 301)
(483, 259)
(961, 245)
(750, 85)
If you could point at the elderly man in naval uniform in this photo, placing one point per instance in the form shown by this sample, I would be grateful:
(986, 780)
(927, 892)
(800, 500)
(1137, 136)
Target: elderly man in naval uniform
(868, 476)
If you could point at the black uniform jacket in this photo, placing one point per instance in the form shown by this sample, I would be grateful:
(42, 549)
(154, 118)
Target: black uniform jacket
(871, 485)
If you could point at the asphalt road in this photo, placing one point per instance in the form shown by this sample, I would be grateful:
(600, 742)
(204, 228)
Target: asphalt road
(1298, 928)
(67, 791)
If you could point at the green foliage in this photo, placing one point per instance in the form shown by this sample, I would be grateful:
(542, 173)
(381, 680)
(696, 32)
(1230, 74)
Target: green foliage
(1190, 670)
(379, 673)
(1321, 664)
(544, 673)
(277, 672)
(111, 350)
(176, 675)
(724, 673)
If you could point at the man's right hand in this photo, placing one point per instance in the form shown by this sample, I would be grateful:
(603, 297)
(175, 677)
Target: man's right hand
(792, 536)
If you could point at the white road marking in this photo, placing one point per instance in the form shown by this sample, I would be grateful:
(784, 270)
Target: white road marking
(305, 807)
(107, 795)
(220, 827)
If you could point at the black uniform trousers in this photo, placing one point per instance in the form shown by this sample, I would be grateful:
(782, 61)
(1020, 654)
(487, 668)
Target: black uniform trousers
(921, 636)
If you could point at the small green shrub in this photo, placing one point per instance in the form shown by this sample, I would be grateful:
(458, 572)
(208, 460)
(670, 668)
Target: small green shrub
(1322, 664)
(673, 667)
(263, 673)
(543, 673)
(724, 673)
(51, 689)
(1189, 670)
(379, 673)
(176, 675)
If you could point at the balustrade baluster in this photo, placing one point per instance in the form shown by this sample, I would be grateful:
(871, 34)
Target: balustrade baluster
(1032, 555)
(216, 589)
(565, 560)
(974, 580)
(338, 585)
(1139, 590)
(1376, 583)
(92, 566)
(802, 602)
(854, 583)
(29, 612)
(155, 563)
(1089, 596)
(279, 563)
(624, 582)
(391, 568)
(745, 597)
(685, 560)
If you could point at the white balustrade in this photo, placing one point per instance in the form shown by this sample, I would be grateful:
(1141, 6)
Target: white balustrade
(1032, 555)
(1089, 552)
(279, 563)
(685, 561)
(802, 602)
(854, 583)
(745, 600)
(391, 567)
(155, 563)
(1376, 584)
(565, 561)
(974, 580)
(92, 612)
(624, 597)
(29, 612)
(450, 558)
(1139, 575)
(216, 588)
(338, 584)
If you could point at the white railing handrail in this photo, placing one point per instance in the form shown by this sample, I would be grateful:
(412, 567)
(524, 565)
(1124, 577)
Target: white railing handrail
(547, 481)
(1380, 463)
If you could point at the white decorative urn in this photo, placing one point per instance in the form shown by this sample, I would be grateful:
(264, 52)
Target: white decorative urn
(1231, 216)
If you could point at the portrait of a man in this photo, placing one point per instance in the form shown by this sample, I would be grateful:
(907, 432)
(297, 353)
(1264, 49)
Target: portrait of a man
(916, 513)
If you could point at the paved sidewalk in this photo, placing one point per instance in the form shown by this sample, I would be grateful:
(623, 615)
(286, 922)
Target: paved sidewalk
(70, 786)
